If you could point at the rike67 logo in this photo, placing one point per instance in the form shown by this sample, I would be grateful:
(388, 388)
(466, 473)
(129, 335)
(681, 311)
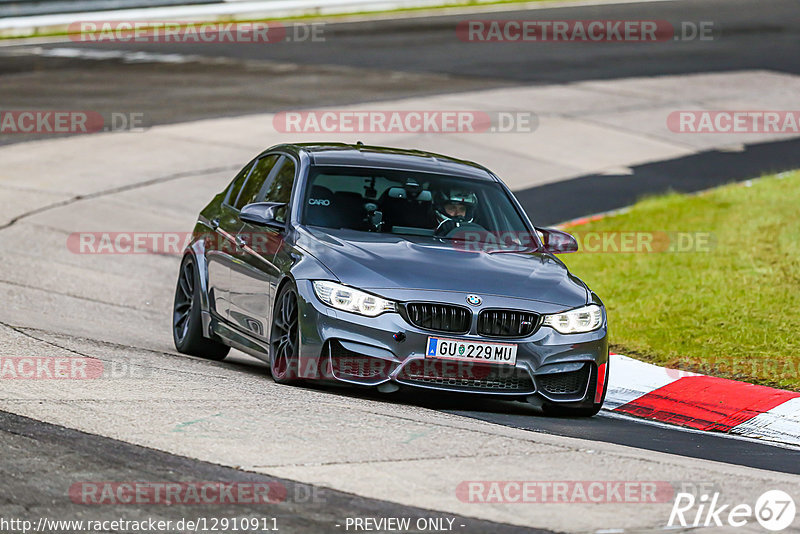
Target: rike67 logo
(774, 510)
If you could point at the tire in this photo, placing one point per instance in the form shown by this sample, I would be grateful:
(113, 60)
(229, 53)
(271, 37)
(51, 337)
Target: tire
(187, 322)
(284, 339)
(583, 411)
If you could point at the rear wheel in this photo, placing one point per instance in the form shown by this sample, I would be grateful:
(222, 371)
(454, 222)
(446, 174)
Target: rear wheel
(187, 323)
(284, 338)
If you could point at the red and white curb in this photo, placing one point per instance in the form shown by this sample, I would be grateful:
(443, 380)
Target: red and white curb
(702, 402)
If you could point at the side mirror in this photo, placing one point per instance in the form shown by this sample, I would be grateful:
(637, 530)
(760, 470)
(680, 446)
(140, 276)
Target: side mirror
(263, 214)
(556, 241)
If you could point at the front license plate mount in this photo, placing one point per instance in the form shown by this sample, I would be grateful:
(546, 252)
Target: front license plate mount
(442, 348)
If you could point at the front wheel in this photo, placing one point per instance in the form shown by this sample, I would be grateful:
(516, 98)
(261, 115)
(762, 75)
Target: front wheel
(284, 339)
(187, 323)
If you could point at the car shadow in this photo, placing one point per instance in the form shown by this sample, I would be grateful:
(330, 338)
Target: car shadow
(430, 399)
(444, 401)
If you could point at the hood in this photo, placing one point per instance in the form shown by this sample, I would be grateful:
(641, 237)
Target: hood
(387, 261)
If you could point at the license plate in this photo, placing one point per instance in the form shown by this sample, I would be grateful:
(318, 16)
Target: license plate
(473, 351)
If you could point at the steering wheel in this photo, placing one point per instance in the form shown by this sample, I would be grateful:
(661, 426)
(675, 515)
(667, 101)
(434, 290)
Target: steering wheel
(450, 229)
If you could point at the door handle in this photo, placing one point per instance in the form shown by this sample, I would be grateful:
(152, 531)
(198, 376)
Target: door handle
(214, 223)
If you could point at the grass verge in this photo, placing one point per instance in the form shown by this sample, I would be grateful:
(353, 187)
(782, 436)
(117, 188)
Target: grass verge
(730, 309)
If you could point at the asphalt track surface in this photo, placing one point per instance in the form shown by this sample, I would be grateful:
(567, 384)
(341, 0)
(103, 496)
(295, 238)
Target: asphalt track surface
(352, 66)
(622, 430)
(569, 199)
(743, 38)
(38, 486)
(416, 56)
(386, 60)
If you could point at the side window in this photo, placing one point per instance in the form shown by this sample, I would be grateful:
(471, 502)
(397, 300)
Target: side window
(236, 183)
(252, 187)
(280, 189)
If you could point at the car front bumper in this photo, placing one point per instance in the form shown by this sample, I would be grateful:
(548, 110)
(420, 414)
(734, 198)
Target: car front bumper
(374, 351)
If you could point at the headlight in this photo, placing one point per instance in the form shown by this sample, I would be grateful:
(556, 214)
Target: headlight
(576, 321)
(351, 300)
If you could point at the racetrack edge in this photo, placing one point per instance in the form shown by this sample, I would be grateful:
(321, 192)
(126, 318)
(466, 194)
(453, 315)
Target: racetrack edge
(702, 402)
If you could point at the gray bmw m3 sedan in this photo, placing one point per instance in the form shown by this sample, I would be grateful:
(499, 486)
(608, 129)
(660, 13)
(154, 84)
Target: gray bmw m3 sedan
(390, 268)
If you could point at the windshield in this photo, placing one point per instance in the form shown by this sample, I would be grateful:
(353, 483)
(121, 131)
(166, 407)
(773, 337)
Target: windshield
(412, 203)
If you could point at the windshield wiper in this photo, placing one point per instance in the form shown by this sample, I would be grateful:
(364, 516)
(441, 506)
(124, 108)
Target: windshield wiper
(516, 250)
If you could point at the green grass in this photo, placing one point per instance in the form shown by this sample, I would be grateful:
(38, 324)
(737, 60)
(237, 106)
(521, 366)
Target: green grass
(733, 311)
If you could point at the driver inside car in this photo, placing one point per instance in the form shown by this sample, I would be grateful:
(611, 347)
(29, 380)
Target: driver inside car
(453, 209)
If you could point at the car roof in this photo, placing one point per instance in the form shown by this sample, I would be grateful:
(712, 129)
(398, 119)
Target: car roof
(360, 155)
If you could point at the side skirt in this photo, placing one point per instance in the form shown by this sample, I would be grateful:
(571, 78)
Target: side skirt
(239, 341)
